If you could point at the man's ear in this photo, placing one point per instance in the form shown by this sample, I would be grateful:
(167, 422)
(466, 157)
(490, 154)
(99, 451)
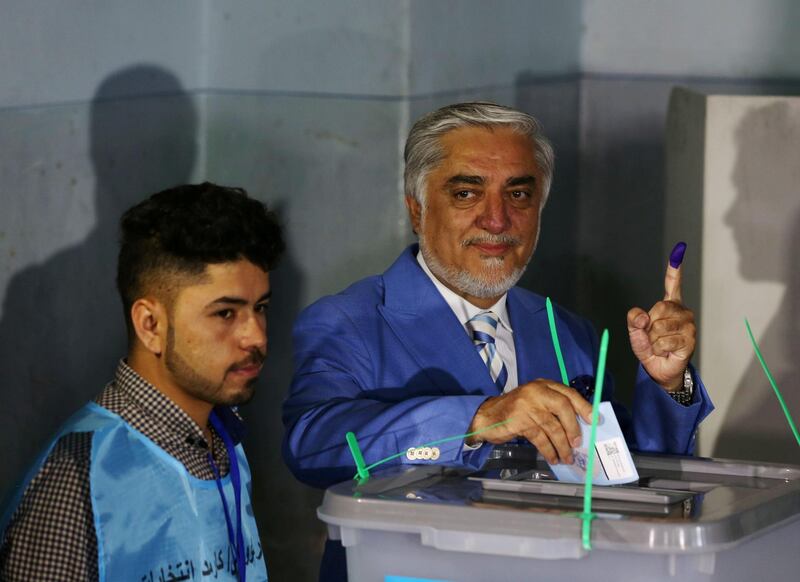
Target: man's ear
(414, 212)
(150, 324)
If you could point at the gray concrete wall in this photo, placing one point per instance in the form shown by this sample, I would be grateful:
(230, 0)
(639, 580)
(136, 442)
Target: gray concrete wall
(711, 38)
(349, 47)
(469, 44)
(55, 53)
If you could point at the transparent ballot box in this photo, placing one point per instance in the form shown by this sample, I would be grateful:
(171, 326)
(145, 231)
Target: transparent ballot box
(685, 519)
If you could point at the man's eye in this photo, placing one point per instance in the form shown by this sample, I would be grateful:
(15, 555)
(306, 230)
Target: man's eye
(262, 308)
(464, 194)
(224, 313)
(520, 195)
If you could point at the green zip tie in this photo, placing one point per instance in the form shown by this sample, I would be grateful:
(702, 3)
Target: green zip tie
(368, 468)
(587, 516)
(772, 382)
(551, 319)
(363, 471)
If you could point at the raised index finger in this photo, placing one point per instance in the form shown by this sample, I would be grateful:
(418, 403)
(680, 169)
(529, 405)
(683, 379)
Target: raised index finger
(672, 279)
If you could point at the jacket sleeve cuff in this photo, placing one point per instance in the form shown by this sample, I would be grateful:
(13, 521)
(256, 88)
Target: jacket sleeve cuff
(662, 425)
(455, 422)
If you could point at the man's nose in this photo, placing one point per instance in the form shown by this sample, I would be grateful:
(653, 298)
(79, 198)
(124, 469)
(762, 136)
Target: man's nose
(254, 333)
(494, 217)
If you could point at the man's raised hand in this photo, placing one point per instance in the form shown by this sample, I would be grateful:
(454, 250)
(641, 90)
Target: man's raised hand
(664, 338)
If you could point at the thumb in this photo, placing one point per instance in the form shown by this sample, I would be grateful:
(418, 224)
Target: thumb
(672, 278)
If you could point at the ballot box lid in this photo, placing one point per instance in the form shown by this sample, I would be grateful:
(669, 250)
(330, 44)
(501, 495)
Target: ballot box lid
(680, 504)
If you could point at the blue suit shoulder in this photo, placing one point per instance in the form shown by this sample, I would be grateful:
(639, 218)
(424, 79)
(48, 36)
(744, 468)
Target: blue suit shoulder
(349, 302)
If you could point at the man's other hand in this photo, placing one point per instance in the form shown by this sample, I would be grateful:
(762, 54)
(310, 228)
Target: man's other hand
(542, 411)
(664, 338)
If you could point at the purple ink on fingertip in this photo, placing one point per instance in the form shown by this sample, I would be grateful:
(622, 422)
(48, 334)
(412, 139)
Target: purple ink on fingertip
(676, 256)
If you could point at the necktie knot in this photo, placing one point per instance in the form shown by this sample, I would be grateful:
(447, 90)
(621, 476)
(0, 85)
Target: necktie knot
(484, 330)
(483, 327)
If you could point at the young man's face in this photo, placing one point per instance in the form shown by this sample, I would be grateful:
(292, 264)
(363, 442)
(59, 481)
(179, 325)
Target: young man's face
(217, 338)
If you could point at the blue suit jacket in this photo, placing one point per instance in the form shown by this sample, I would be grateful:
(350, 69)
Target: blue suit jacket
(388, 359)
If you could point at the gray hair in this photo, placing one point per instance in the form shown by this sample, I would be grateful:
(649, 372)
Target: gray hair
(423, 152)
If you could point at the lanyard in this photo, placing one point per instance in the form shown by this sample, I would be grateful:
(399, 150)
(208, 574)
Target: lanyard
(238, 541)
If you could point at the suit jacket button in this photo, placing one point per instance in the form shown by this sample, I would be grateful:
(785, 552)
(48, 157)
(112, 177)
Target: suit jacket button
(411, 454)
(434, 453)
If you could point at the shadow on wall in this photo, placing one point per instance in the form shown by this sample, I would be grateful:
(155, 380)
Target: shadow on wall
(62, 330)
(765, 219)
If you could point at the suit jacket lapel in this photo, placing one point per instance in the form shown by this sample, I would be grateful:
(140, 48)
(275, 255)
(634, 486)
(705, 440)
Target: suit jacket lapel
(429, 330)
(536, 357)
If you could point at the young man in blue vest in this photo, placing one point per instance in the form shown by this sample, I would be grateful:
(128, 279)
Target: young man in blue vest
(149, 481)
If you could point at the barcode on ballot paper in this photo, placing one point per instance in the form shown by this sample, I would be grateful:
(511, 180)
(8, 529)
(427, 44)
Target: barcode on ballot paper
(614, 463)
(611, 448)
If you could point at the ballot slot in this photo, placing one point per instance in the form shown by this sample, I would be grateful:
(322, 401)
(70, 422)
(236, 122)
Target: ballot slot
(675, 484)
(519, 462)
(537, 474)
(623, 493)
(702, 484)
(532, 485)
(608, 508)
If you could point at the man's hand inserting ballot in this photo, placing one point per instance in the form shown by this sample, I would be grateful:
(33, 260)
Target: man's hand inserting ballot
(664, 338)
(542, 411)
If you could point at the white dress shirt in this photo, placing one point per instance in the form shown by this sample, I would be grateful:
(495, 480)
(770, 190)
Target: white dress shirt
(464, 311)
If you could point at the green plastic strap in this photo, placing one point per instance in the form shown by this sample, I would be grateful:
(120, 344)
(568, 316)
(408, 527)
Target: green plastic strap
(772, 382)
(430, 444)
(551, 319)
(587, 516)
(363, 471)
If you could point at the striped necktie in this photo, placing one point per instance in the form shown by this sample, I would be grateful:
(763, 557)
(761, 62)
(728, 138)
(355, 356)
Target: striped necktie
(484, 327)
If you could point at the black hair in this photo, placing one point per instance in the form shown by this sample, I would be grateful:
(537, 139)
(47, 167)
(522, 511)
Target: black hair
(177, 232)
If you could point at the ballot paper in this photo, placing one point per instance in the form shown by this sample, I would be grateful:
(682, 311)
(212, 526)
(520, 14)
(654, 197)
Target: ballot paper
(613, 464)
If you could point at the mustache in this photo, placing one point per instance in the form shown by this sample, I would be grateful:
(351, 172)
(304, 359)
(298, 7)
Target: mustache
(256, 358)
(492, 239)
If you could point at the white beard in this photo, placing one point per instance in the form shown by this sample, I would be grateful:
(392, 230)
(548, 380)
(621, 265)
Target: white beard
(489, 283)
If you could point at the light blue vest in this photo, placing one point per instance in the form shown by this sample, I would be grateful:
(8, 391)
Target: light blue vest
(154, 521)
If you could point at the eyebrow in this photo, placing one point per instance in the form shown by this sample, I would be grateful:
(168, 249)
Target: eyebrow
(464, 179)
(521, 181)
(479, 180)
(225, 300)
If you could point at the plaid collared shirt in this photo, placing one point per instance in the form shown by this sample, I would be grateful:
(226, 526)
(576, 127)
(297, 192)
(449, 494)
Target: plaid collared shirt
(51, 535)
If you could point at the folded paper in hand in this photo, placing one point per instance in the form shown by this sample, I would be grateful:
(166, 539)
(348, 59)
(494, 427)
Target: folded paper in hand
(613, 464)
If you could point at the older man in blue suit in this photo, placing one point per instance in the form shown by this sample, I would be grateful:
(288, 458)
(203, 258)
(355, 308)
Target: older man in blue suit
(443, 343)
